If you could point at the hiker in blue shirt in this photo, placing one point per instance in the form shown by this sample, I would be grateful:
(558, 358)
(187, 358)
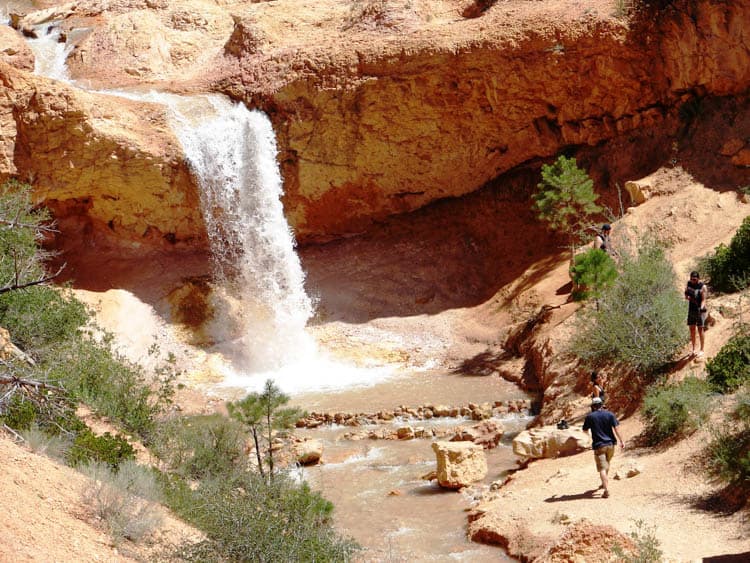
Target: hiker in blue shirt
(603, 426)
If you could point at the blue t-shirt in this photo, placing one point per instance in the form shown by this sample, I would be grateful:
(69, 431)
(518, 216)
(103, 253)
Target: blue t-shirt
(601, 423)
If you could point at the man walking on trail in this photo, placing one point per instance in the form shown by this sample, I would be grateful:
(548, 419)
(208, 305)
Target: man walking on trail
(603, 426)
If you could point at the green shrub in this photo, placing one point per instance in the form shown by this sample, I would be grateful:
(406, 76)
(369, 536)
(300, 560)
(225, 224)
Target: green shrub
(52, 413)
(647, 548)
(88, 447)
(640, 319)
(126, 499)
(200, 447)
(248, 519)
(110, 384)
(19, 414)
(730, 368)
(728, 268)
(593, 272)
(675, 409)
(20, 240)
(729, 456)
(729, 450)
(40, 317)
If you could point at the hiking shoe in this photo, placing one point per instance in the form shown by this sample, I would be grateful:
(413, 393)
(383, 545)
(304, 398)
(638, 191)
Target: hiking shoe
(700, 354)
(606, 494)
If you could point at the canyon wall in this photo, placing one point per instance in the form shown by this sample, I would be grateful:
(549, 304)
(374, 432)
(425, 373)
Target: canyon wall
(111, 163)
(417, 125)
(380, 107)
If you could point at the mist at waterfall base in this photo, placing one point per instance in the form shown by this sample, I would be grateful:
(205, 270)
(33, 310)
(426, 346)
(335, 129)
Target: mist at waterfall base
(259, 301)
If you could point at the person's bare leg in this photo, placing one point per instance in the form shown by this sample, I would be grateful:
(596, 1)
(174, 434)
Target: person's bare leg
(605, 482)
(701, 331)
(692, 339)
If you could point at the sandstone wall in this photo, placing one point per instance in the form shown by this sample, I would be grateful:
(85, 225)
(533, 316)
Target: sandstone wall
(420, 125)
(376, 112)
(113, 162)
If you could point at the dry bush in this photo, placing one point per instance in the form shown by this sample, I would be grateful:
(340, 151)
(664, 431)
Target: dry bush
(42, 443)
(125, 500)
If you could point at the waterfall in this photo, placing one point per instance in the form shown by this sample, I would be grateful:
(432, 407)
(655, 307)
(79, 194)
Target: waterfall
(261, 308)
(50, 53)
(232, 153)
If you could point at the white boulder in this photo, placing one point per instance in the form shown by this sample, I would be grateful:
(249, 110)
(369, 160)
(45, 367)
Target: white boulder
(549, 441)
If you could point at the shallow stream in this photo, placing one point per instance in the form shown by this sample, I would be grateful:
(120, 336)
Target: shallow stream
(376, 486)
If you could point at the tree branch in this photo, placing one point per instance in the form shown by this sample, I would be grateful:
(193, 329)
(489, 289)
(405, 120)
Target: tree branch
(14, 223)
(43, 279)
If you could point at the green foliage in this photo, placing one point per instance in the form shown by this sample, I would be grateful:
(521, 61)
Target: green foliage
(729, 450)
(647, 548)
(19, 413)
(593, 272)
(53, 327)
(676, 409)
(730, 368)
(50, 412)
(40, 317)
(728, 268)
(88, 447)
(262, 413)
(20, 256)
(102, 378)
(200, 447)
(565, 198)
(125, 499)
(640, 319)
(248, 519)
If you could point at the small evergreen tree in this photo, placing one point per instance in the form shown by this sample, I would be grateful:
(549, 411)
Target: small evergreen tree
(593, 272)
(22, 227)
(565, 200)
(262, 413)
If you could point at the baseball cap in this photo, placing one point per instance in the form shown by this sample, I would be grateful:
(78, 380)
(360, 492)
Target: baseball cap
(596, 401)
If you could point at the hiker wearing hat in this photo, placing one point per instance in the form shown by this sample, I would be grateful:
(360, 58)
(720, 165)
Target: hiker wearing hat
(603, 426)
(602, 240)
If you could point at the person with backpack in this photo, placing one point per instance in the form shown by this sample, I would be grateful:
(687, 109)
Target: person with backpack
(603, 241)
(696, 293)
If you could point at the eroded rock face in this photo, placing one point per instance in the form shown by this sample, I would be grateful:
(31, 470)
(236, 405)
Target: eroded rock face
(429, 121)
(113, 162)
(378, 109)
(14, 50)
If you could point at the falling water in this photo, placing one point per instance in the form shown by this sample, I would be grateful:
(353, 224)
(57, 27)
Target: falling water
(232, 152)
(50, 53)
(261, 308)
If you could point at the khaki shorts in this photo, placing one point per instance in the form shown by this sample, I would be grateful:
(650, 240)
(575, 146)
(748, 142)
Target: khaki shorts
(603, 456)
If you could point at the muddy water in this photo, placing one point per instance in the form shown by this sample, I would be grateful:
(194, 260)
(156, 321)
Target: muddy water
(376, 486)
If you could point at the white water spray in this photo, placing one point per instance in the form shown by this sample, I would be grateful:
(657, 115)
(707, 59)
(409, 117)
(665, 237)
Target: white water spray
(50, 54)
(232, 152)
